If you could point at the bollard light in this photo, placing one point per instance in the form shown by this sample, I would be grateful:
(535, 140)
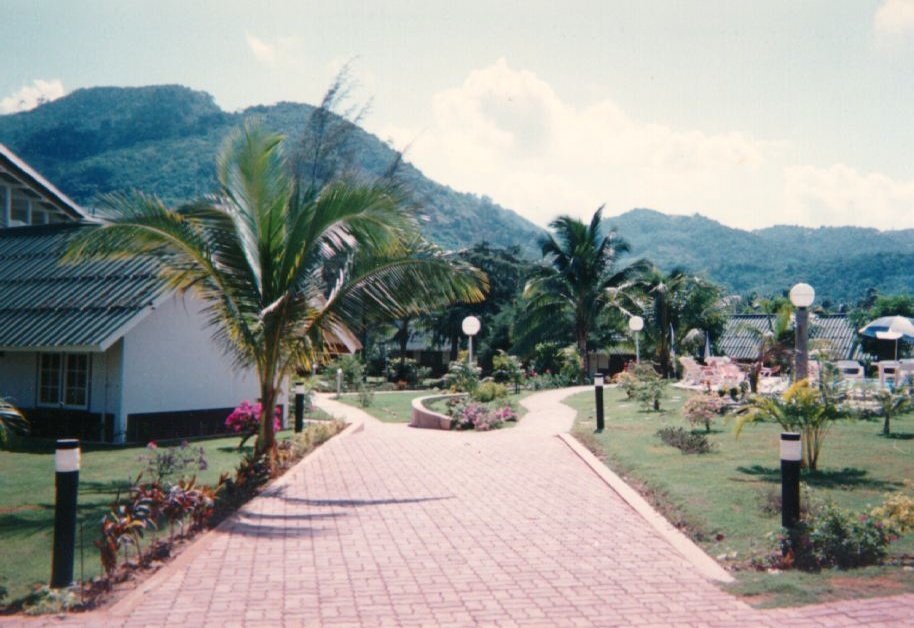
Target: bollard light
(339, 382)
(598, 389)
(791, 458)
(299, 407)
(66, 476)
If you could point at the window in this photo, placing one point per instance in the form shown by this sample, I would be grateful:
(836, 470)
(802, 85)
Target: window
(63, 379)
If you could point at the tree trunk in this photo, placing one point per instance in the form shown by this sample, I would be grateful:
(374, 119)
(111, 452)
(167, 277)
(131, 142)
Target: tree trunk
(266, 438)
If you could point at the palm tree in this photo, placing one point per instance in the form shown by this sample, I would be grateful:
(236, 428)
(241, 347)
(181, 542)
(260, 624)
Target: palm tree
(577, 282)
(284, 270)
(680, 304)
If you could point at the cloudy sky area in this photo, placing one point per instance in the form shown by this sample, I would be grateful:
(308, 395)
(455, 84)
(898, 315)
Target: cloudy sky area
(750, 113)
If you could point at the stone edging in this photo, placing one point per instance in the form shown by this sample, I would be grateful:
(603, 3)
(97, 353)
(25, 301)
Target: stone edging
(424, 418)
(706, 565)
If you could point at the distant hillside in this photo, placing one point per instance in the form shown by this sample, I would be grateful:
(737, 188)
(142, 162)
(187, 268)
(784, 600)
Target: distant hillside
(841, 263)
(164, 139)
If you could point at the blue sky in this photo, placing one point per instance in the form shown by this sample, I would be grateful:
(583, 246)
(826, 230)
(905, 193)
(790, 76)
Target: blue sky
(750, 113)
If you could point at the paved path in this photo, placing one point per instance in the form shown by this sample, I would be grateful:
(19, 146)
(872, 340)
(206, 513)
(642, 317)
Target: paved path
(393, 526)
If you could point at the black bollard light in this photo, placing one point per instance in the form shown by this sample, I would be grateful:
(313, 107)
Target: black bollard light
(791, 457)
(299, 407)
(598, 388)
(66, 467)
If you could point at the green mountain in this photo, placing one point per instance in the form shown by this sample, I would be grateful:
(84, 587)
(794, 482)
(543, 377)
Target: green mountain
(841, 263)
(163, 140)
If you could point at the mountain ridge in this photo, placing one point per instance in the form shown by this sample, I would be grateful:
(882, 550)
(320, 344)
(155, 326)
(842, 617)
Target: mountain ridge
(163, 140)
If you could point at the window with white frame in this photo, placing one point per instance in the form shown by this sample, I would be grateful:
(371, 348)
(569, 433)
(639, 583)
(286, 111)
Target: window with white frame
(63, 380)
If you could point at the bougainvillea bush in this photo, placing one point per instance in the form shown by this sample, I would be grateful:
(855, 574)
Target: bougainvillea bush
(245, 420)
(480, 416)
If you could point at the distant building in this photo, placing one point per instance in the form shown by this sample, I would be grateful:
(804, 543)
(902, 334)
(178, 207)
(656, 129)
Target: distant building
(832, 335)
(99, 350)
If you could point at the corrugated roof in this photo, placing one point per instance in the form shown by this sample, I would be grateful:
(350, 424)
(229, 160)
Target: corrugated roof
(21, 172)
(740, 342)
(81, 307)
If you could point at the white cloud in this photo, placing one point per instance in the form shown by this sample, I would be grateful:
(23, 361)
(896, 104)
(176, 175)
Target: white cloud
(840, 195)
(30, 96)
(281, 52)
(263, 51)
(895, 18)
(506, 134)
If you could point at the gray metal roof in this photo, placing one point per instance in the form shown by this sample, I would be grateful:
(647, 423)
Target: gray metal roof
(80, 307)
(739, 342)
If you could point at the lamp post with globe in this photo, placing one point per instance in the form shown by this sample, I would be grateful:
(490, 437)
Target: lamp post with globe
(470, 327)
(802, 295)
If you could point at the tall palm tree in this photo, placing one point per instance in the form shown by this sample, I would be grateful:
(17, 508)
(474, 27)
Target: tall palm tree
(576, 283)
(284, 271)
(677, 304)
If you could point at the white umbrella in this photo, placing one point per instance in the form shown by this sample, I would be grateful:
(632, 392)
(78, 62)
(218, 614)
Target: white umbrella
(890, 328)
(707, 346)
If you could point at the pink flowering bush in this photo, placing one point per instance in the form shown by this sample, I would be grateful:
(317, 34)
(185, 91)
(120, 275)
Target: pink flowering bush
(245, 420)
(703, 409)
(481, 417)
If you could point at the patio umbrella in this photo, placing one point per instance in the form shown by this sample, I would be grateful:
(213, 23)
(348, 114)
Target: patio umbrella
(890, 328)
(707, 346)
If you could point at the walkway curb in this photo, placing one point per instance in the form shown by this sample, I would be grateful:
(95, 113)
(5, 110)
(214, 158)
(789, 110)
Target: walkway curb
(706, 565)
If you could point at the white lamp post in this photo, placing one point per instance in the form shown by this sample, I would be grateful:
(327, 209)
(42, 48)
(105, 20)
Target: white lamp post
(802, 295)
(470, 327)
(636, 324)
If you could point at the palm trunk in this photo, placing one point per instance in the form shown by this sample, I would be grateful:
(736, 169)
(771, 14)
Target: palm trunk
(266, 438)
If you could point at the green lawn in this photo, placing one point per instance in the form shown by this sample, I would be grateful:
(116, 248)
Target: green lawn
(720, 498)
(27, 506)
(396, 407)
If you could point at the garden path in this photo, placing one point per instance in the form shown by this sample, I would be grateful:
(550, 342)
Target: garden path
(389, 525)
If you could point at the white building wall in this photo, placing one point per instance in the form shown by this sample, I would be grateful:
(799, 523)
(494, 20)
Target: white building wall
(171, 364)
(105, 386)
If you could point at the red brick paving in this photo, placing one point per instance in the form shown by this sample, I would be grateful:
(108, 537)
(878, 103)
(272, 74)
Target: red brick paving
(394, 526)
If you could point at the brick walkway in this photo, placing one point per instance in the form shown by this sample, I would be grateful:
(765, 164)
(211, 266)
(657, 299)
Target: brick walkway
(393, 526)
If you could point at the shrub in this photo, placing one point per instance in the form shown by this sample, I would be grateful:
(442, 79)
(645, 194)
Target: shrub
(366, 397)
(462, 377)
(643, 384)
(897, 511)
(478, 416)
(832, 537)
(703, 409)
(489, 391)
(507, 369)
(161, 464)
(353, 371)
(245, 420)
(685, 441)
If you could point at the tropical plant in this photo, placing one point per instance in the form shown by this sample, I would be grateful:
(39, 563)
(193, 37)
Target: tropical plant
(12, 421)
(286, 271)
(576, 283)
(893, 403)
(704, 409)
(677, 304)
(507, 369)
(802, 408)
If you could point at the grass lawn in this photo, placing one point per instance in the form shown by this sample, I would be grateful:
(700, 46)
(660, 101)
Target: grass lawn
(27, 496)
(396, 407)
(721, 499)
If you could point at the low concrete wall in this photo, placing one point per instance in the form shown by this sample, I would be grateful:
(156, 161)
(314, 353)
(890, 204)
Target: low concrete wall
(425, 418)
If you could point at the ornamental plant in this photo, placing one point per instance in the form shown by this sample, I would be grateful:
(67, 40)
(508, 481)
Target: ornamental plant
(164, 463)
(703, 409)
(245, 420)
